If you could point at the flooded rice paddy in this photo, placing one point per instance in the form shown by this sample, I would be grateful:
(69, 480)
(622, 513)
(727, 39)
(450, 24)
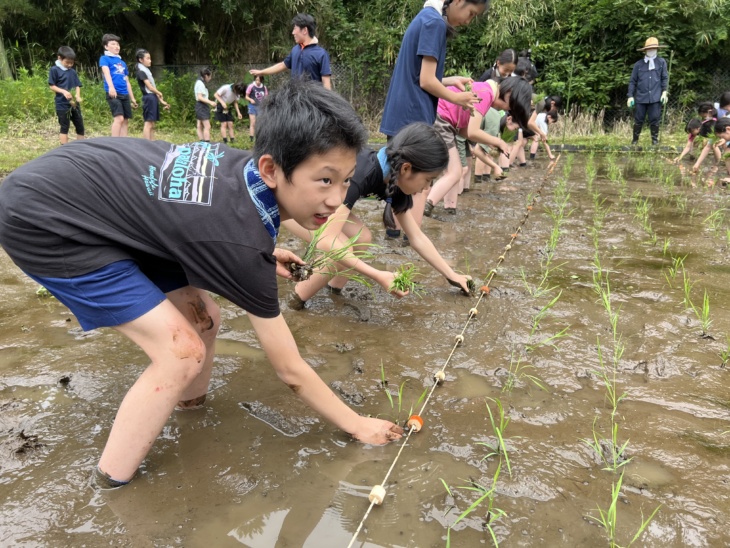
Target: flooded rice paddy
(604, 339)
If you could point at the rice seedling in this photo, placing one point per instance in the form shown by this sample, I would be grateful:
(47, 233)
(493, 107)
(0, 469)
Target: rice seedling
(485, 494)
(543, 286)
(703, 315)
(399, 394)
(404, 280)
(499, 425)
(687, 284)
(715, 220)
(535, 326)
(608, 518)
(665, 246)
(324, 256)
(725, 353)
(671, 272)
(518, 373)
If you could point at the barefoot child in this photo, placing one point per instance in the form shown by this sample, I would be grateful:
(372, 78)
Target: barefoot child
(409, 163)
(63, 79)
(132, 234)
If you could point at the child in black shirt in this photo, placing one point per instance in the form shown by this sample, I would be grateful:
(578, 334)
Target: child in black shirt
(63, 79)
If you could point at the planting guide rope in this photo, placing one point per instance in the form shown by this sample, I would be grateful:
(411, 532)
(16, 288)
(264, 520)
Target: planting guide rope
(415, 422)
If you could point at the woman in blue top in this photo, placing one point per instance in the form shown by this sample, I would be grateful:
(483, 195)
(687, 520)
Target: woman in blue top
(407, 166)
(418, 79)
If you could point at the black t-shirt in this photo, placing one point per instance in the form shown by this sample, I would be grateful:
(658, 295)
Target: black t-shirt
(367, 180)
(94, 202)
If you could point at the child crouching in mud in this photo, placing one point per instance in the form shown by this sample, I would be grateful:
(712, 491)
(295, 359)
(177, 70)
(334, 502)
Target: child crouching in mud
(132, 234)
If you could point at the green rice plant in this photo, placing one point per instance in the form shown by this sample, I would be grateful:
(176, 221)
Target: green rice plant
(399, 394)
(703, 315)
(725, 354)
(680, 201)
(608, 518)
(665, 246)
(518, 373)
(671, 272)
(688, 285)
(543, 287)
(404, 280)
(323, 256)
(715, 220)
(499, 425)
(485, 494)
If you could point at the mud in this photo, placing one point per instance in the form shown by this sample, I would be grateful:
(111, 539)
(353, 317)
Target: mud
(255, 467)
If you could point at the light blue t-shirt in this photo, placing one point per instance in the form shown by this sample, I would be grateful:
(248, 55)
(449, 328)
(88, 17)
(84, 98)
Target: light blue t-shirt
(406, 101)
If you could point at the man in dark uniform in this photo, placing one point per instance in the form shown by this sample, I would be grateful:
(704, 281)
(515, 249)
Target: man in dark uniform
(648, 90)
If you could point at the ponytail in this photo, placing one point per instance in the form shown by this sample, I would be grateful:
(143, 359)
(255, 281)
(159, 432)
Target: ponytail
(422, 147)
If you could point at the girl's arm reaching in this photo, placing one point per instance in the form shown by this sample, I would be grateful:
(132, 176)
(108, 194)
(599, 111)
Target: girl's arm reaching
(686, 150)
(433, 85)
(475, 133)
(425, 248)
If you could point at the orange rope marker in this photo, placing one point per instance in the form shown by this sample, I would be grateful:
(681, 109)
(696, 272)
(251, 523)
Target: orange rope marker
(377, 494)
(415, 423)
(484, 289)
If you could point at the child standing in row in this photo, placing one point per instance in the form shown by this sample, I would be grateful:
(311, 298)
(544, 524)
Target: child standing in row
(202, 105)
(544, 120)
(255, 93)
(151, 97)
(227, 96)
(119, 93)
(63, 79)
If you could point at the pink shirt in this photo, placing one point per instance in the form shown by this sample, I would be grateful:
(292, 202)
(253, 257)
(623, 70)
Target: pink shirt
(456, 115)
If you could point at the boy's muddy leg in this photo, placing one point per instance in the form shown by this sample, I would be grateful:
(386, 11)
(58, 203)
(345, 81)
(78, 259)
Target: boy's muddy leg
(204, 315)
(179, 356)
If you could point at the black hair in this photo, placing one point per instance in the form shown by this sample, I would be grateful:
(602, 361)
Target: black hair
(725, 99)
(305, 21)
(109, 38)
(140, 54)
(556, 100)
(260, 77)
(707, 127)
(552, 114)
(421, 146)
(694, 123)
(302, 119)
(450, 30)
(503, 122)
(239, 88)
(706, 108)
(520, 99)
(65, 52)
(722, 125)
(526, 69)
(205, 72)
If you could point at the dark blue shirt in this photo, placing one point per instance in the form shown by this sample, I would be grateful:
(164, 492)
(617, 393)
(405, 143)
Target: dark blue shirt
(406, 101)
(310, 61)
(646, 85)
(64, 79)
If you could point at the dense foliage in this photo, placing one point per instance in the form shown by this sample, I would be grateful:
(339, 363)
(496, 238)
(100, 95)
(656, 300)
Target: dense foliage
(585, 46)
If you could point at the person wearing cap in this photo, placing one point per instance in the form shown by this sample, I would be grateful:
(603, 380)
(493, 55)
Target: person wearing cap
(648, 89)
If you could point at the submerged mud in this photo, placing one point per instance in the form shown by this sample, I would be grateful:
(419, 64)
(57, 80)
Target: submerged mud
(256, 467)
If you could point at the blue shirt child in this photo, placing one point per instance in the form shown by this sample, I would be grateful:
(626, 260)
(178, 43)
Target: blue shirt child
(406, 101)
(64, 78)
(118, 71)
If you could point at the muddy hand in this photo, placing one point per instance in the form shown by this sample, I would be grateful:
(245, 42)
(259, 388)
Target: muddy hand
(377, 431)
(283, 258)
(462, 282)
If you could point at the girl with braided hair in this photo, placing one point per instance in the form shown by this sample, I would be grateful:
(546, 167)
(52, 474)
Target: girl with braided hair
(406, 166)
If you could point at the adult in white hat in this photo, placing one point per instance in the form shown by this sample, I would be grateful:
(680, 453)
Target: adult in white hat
(648, 89)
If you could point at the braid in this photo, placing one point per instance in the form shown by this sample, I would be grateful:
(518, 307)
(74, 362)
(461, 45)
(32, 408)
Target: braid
(395, 162)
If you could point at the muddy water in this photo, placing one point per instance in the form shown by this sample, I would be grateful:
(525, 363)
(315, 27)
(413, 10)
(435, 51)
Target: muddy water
(257, 468)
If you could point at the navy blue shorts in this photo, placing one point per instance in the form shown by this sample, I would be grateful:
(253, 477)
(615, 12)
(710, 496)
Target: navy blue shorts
(252, 109)
(150, 108)
(116, 293)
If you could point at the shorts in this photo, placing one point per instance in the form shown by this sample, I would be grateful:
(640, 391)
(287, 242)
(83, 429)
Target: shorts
(461, 145)
(116, 293)
(221, 116)
(447, 132)
(150, 108)
(120, 106)
(252, 109)
(202, 111)
(65, 117)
